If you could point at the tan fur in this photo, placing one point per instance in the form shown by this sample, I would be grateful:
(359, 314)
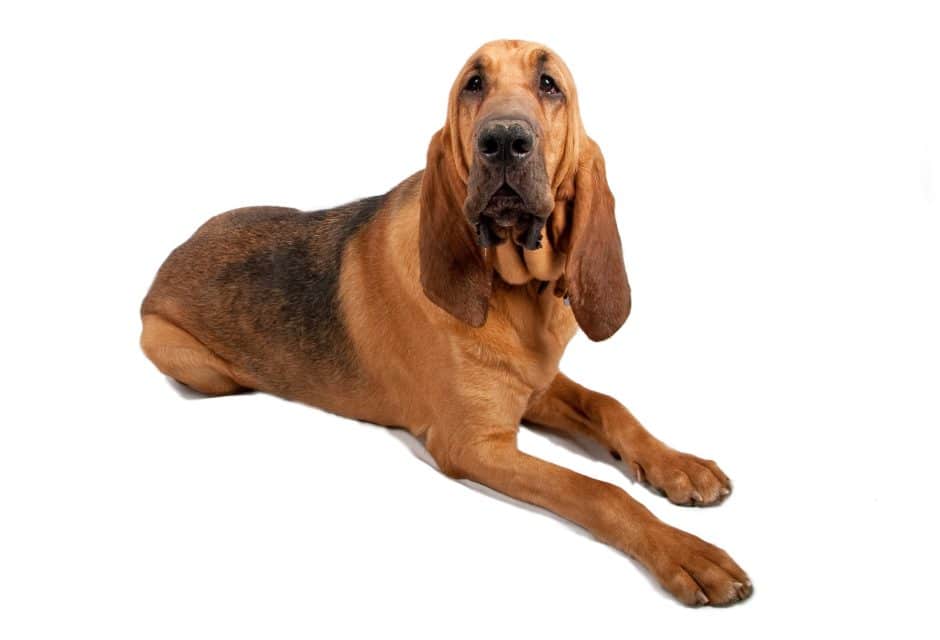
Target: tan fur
(182, 357)
(459, 353)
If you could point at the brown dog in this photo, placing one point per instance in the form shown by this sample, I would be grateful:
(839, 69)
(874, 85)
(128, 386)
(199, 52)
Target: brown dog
(444, 307)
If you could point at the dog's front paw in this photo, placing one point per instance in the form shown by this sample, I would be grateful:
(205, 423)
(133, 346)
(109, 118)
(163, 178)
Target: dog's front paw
(683, 478)
(695, 572)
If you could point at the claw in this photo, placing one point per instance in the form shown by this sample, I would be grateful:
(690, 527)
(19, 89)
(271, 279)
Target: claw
(638, 473)
(743, 590)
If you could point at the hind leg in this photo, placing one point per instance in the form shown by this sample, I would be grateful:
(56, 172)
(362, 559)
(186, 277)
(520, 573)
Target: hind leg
(182, 357)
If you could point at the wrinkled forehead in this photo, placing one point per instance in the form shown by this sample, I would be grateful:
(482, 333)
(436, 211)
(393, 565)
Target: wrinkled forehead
(505, 64)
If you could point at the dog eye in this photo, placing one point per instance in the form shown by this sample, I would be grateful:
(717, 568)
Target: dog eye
(474, 84)
(547, 84)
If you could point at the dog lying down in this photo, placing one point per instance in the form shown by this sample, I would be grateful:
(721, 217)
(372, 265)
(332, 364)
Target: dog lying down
(465, 282)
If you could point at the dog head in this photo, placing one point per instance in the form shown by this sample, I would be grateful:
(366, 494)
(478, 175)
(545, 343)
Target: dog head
(513, 166)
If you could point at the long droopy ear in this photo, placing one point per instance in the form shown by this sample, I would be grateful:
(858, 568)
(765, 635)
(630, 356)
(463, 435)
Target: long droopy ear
(596, 278)
(454, 274)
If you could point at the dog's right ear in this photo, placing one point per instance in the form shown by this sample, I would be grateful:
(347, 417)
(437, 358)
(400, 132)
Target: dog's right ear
(454, 274)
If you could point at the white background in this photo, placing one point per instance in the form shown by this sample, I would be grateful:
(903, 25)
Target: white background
(777, 173)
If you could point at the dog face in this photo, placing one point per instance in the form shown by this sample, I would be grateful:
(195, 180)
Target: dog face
(513, 164)
(511, 122)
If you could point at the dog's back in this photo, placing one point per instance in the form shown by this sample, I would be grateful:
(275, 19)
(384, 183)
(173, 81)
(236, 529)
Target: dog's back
(259, 288)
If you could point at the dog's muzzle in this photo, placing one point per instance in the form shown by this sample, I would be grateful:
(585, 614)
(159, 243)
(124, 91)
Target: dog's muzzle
(507, 214)
(507, 187)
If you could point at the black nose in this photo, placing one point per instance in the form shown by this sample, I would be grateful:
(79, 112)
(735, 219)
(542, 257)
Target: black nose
(504, 142)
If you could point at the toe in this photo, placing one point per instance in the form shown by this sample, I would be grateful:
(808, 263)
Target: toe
(683, 586)
(723, 560)
(680, 488)
(720, 587)
(707, 484)
(712, 466)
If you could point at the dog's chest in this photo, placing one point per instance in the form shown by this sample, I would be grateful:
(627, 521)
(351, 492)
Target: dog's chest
(526, 334)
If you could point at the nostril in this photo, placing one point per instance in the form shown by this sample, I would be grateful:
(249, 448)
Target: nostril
(489, 145)
(521, 146)
(505, 142)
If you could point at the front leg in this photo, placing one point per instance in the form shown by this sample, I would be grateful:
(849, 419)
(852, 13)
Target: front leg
(685, 479)
(693, 570)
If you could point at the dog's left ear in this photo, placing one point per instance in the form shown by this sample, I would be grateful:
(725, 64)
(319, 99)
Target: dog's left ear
(596, 277)
(454, 274)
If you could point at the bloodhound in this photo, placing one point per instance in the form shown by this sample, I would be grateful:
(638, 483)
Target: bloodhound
(444, 306)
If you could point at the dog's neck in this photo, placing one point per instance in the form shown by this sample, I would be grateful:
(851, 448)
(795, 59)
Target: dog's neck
(535, 318)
